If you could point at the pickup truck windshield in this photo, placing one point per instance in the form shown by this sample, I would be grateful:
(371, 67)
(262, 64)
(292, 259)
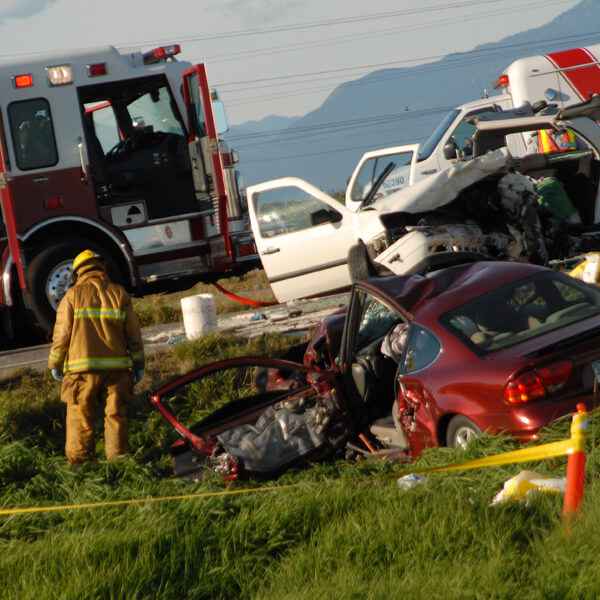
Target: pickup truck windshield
(430, 145)
(522, 310)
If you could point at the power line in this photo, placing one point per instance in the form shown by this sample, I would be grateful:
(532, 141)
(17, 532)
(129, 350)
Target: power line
(421, 59)
(346, 129)
(333, 124)
(323, 23)
(324, 152)
(352, 38)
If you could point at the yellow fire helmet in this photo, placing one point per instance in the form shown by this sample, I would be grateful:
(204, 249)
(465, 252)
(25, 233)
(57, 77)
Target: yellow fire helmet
(83, 258)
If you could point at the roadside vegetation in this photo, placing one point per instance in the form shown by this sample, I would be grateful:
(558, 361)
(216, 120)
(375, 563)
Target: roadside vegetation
(166, 308)
(344, 531)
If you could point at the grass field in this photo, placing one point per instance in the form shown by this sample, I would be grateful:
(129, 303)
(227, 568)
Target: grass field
(345, 531)
(166, 308)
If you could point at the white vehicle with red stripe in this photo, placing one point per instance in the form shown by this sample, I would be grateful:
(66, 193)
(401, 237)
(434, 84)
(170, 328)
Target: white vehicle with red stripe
(119, 153)
(563, 78)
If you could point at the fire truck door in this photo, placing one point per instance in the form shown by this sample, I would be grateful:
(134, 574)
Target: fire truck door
(202, 140)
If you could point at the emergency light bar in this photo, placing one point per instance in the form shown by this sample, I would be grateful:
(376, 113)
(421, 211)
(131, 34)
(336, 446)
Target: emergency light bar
(60, 75)
(161, 53)
(24, 80)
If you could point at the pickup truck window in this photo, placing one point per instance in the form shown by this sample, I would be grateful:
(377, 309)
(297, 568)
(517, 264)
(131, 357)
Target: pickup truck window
(290, 209)
(465, 130)
(432, 142)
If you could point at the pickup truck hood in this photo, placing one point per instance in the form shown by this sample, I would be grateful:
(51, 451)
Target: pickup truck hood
(441, 189)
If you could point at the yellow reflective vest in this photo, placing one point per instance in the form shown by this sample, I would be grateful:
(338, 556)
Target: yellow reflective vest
(96, 328)
(556, 141)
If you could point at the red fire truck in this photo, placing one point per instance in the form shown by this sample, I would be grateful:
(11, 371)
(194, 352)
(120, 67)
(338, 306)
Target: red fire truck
(119, 153)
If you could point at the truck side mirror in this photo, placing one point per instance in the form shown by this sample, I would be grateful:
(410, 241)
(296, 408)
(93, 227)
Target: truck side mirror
(325, 215)
(220, 117)
(450, 150)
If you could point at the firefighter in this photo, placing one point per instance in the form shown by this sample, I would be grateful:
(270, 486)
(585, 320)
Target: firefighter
(97, 353)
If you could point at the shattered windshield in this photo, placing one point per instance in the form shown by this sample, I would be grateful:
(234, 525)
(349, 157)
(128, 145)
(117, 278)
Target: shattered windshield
(430, 145)
(522, 310)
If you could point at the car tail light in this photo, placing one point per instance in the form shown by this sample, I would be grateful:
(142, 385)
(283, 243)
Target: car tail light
(502, 82)
(535, 384)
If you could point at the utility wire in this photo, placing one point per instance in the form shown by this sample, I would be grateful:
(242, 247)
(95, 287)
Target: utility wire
(354, 37)
(483, 51)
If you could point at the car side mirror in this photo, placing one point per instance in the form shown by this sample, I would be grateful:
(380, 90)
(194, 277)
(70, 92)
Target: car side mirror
(450, 150)
(325, 215)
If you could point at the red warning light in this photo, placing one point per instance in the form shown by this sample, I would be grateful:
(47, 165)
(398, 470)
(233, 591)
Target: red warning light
(24, 80)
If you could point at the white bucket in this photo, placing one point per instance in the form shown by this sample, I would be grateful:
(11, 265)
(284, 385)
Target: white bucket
(199, 315)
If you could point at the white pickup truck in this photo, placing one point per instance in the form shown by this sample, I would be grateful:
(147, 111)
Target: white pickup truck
(312, 244)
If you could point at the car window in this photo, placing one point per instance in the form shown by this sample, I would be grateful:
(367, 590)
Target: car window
(376, 320)
(522, 310)
(372, 169)
(287, 210)
(32, 134)
(422, 349)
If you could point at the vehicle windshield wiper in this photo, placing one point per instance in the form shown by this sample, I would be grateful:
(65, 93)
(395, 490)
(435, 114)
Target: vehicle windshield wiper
(377, 184)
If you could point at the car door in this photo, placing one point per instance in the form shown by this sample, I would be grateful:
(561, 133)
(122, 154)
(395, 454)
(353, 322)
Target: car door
(302, 236)
(372, 165)
(368, 367)
(417, 408)
(251, 417)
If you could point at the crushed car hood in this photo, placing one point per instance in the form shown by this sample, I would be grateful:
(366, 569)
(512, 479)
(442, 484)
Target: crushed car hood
(441, 189)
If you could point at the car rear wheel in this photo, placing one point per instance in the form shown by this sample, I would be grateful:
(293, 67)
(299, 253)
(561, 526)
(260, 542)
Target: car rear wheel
(461, 432)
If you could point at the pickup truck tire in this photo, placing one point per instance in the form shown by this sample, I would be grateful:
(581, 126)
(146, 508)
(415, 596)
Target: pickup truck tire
(359, 263)
(46, 278)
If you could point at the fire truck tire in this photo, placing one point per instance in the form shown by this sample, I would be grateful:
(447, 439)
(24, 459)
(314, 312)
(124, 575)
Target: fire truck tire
(46, 278)
(359, 263)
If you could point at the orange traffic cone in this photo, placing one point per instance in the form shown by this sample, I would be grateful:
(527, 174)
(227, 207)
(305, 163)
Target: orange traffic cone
(576, 463)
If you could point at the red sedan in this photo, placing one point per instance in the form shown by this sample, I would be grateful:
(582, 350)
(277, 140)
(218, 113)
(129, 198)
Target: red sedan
(415, 361)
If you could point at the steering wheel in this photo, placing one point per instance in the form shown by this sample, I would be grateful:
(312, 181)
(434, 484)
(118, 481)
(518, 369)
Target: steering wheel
(135, 142)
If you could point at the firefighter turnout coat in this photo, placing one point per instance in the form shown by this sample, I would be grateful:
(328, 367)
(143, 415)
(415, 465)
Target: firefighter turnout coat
(96, 328)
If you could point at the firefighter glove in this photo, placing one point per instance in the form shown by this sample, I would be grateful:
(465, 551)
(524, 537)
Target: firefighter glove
(57, 374)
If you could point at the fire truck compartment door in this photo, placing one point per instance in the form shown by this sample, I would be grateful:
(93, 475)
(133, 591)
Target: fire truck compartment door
(371, 166)
(302, 235)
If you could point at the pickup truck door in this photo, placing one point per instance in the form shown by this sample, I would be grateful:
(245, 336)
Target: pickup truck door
(302, 236)
(371, 166)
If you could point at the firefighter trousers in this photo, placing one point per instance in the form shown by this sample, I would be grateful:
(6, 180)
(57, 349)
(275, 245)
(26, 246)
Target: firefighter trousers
(83, 393)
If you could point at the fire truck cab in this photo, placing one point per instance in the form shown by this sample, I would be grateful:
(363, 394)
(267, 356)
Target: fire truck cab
(119, 153)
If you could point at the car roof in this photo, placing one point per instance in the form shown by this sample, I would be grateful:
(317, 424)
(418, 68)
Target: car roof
(429, 296)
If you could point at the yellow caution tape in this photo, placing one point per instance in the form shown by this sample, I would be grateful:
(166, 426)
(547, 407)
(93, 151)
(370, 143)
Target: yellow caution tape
(552, 450)
(134, 501)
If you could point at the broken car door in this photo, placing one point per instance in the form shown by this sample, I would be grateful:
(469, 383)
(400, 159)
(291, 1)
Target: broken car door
(302, 235)
(370, 355)
(416, 405)
(398, 161)
(251, 417)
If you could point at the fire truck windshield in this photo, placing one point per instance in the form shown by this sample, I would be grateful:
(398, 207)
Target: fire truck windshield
(155, 110)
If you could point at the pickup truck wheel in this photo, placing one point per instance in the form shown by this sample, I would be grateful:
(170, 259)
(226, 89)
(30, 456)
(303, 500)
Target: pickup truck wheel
(49, 278)
(461, 432)
(359, 263)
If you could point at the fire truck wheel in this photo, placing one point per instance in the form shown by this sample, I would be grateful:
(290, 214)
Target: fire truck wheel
(359, 263)
(49, 277)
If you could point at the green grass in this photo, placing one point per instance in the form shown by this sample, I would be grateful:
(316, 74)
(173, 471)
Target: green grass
(166, 308)
(346, 531)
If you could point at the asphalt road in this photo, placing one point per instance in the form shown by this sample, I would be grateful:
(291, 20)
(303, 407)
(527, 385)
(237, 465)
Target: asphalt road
(295, 317)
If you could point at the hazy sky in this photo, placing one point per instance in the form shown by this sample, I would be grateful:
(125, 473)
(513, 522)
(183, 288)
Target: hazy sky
(379, 31)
